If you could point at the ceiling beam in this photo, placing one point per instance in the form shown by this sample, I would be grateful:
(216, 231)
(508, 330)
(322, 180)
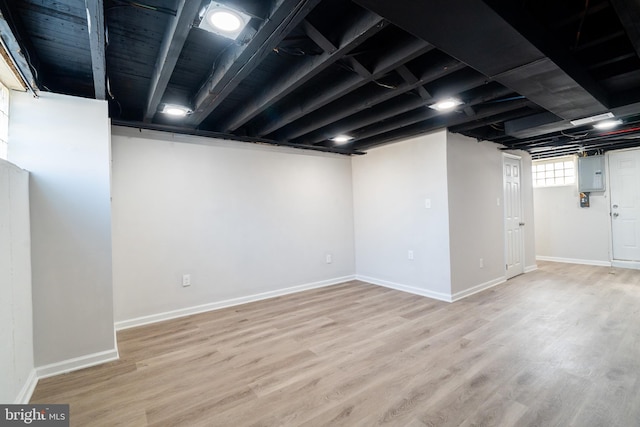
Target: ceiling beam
(172, 44)
(629, 13)
(494, 120)
(365, 26)
(404, 53)
(420, 114)
(410, 78)
(15, 43)
(240, 60)
(600, 40)
(318, 38)
(441, 121)
(327, 46)
(97, 46)
(509, 53)
(218, 135)
(357, 101)
(385, 115)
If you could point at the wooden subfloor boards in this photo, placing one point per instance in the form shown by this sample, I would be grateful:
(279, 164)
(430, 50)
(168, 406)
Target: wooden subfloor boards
(556, 347)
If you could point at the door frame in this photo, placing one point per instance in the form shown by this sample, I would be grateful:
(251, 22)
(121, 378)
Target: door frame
(635, 265)
(504, 216)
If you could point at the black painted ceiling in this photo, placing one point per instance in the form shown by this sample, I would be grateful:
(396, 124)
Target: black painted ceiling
(305, 71)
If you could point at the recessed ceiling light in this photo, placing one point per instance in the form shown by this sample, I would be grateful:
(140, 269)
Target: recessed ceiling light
(446, 104)
(224, 20)
(607, 124)
(175, 110)
(341, 139)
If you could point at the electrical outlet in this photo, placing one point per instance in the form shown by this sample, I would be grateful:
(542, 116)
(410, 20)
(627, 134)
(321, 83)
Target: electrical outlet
(186, 280)
(427, 203)
(481, 263)
(328, 258)
(410, 255)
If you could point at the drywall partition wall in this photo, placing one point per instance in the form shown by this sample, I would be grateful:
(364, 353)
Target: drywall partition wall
(16, 326)
(476, 213)
(401, 216)
(565, 232)
(64, 143)
(243, 221)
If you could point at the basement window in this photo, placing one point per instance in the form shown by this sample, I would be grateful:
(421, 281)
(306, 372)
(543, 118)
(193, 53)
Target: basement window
(554, 172)
(4, 121)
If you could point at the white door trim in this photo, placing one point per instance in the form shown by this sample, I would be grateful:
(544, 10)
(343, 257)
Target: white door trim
(511, 156)
(617, 262)
(504, 216)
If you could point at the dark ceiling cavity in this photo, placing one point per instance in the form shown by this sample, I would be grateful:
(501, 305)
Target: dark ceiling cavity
(304, 71)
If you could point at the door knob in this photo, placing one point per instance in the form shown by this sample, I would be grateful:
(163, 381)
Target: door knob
(521, 224)
(616, 214)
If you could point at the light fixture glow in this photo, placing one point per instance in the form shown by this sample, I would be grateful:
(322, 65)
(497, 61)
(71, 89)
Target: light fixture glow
(341, 139)
(592, 119)
(446, 104)
(223, 20)
(607, 124)
(175, 110)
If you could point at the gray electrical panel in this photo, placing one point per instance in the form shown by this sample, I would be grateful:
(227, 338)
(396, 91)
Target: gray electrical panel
(591, 174)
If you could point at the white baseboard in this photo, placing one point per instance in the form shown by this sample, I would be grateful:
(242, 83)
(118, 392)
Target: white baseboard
(574, 261)
(174, 314)
(404, 288)
(76, 363)
(530, 268)
(478, 288)
(27, 389)
(635, 265)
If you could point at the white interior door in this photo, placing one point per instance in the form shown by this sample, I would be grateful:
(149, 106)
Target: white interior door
(514, 243)
(624, 170)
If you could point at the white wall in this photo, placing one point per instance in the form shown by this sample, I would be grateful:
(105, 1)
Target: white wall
(476, 220)
(463, 180)
(16, 334)
(391, 184)
(64, 143)
(244, 220)
(567, 232)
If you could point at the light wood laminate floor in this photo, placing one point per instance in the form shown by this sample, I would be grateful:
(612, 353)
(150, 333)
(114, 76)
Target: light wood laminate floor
(556, 347)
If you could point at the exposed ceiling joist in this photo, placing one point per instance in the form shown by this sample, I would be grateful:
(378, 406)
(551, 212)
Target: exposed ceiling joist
(364, 118)
(97, 45)
(357, 32)
(402, 54)
(493, 120)
(420, 114)
(410, 78)
(318, 38)
(356, 102)
(629, 14)
(172, 44)
(300, 73)
(219, 135)
(328, 47)
(390, 116)
(16, 59)
(437, 123)
(238, 62)
(523, 67)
